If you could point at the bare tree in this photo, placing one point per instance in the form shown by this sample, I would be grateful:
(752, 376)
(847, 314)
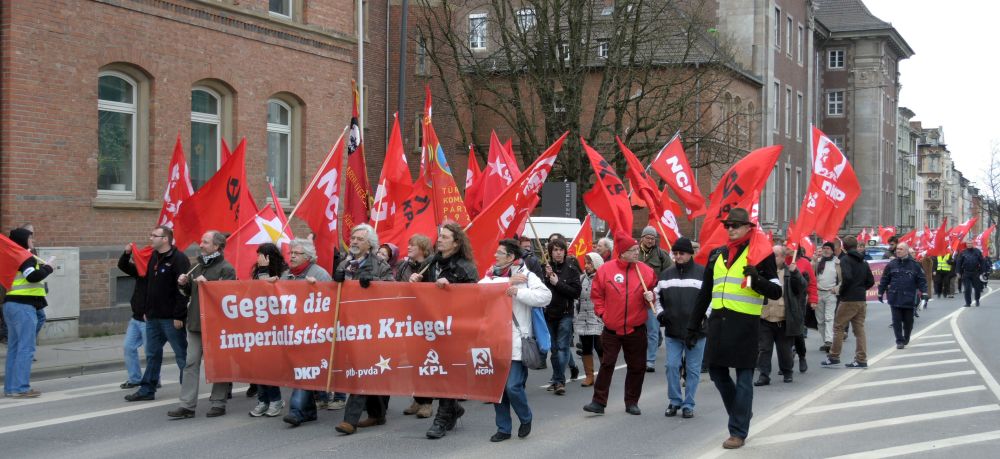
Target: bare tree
(991, 192)
(640, 69)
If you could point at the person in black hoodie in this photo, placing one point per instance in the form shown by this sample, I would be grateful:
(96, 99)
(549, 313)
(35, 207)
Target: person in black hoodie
(21, 313)
(166, 310)
(135, 334)
(452, 264)
(857, 279)
(562, 277)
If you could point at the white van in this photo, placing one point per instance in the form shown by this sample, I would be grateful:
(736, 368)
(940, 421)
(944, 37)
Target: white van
(546, 226)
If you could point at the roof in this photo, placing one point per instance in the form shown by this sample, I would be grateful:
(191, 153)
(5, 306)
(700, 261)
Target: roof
(851, 18)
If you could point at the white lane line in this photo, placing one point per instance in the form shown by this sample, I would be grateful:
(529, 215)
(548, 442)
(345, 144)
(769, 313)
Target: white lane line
(781, 438)
(936, 343)
(932, 445)
(945, 335)
(66, 395)
(983, 372)
(922, 354)
(786, 412)
(907, 380)
(913, 365)
(894, 398)
(619, 367)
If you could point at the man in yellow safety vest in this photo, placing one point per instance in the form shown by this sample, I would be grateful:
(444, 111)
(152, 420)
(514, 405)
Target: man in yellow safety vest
(21, 313)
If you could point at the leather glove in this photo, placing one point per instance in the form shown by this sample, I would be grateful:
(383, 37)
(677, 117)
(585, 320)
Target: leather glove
(692, 339)
(924, 296)
(338, 276)
(880, 299)
(365, 280)
(751, 271)
(662, 318)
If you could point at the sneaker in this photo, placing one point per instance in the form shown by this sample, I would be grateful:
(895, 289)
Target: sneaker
(856, 364)
(687, 413)
(30, 393)
(336, 405)
(413, 408)
(560, 389)
(830, 363)
(425, 411)
(259, 410)
(274, 409)
(551, 387)
(322, 404)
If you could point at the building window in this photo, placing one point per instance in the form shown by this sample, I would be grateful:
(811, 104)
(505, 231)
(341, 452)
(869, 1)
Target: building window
(785, 204)
(774, 106)
(788, 112)
(206, 127)
(279, 146)
(564, 51)
(835, 59)
(477, 30)
(525, 19)
(788, 35)
(117, 102)
(770, 193)
(798, 184)
(799, 41)
(799, 116)
(838, 140)
(281, 8)
(422, 56)
(603, 46)
(835, 103)
(777, 28)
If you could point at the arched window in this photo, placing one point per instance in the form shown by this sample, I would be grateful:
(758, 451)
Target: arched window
(206, 128)
(279, 147)
(117, 110)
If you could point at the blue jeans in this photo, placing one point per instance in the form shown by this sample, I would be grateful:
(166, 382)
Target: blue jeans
(135, 336)
(513, 397)
(22, 321)
(737, 397)
(562, 333)
(40, 313)
(653, 339)
(158, 333)
(676, 352)
(302, 404)
(268, 394)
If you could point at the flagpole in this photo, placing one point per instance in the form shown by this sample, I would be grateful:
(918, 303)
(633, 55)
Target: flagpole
(313, 182)
(387, 209)
(545, 259)
(644, 288)
(333, 342)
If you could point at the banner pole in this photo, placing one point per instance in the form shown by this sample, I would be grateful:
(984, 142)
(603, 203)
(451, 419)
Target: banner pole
(644, 288)
(333, 342)
(545, 258)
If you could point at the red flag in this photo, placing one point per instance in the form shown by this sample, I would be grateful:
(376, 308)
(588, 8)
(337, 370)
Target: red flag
(319, 204)
(761, 243)
(939, 246)
(502, 218)
(508, 155)
(225, 154)
(12, 256)
(982, 241)
(607, 198)
(223, 204)
(178, 186)
(446, 199)
(583, 242)
(863, 236)
(241, 247)
(911, 239)
(736, 189)
(885, 233)
(833, 188)
(141, 258)
(473, 185)
(957, 234)
(395, 184)
(497, 176)
(672, 165)
(415, 214)
(357, 193)
(660, 216)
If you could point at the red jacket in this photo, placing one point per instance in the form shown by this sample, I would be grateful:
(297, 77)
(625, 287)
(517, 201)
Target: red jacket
(617, 295)
(805, 267)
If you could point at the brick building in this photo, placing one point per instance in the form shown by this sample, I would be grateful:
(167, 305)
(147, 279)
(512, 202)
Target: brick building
(94, 93)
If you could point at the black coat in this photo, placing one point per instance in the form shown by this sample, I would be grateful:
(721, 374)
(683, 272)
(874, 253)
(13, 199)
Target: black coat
(902, 278)
(454, 268)
(565, 291)
(138, 300)
(677, 290)
(732, 336)
(971, 262)
(857, 277)
(793, 292)
(163, 297)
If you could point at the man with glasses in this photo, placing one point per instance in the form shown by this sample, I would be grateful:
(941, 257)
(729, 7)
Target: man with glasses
(165, 310)
(735, 290)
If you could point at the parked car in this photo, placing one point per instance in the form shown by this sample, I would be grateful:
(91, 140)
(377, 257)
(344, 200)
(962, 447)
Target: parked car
(877, 252)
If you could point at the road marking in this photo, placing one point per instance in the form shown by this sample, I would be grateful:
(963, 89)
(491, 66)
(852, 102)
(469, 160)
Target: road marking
(907, 380)
(925, 446)
(944, 335)
(894, 398)
(854, 427)
(619, 367)
(914, 365)
(922, 354)
(66, 395)
(936, 343)
(983, 372)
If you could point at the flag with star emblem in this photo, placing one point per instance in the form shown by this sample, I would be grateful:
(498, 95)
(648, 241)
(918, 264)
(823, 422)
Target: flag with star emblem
(241, 247)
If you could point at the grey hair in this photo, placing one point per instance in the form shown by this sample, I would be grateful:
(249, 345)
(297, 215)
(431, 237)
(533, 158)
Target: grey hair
(218, 239)
(306, 245)
(372, 236)
(606, 241)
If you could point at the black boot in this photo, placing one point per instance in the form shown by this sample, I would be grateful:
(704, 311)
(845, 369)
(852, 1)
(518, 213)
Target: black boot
(445, 419)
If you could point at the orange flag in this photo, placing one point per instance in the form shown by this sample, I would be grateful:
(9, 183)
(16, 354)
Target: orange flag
(447, 201)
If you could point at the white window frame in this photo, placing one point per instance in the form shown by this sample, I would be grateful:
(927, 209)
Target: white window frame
(777, 28)
(564, 52)
(788, 111)
(208, 118)
(798, 115)
(835, 107)
(789, 22)
(287, 130)
(788, 178)
(121, 107)
(775, 104)
(291, 9)
(526, 19)
(477, 33)
(799, 41)
(838, 64)
(603, 48)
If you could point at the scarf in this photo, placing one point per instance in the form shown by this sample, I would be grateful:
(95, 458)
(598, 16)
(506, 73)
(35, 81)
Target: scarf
(734, 246)
(822, 264)
(298, 271)
(206, 259)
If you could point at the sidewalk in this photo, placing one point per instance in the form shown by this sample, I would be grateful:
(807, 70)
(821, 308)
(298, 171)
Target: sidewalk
(83, 356)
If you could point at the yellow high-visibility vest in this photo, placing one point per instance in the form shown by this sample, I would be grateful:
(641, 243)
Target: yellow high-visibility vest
(943, 263)
(21, 286)
(728, 291)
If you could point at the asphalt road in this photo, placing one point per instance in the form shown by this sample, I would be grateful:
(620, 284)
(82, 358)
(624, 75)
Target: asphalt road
(936, 398)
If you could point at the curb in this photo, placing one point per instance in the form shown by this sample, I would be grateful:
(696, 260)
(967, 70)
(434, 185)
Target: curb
(87, 368)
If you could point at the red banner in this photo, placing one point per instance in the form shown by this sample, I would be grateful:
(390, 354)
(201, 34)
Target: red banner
(410, 339)
(877, 266)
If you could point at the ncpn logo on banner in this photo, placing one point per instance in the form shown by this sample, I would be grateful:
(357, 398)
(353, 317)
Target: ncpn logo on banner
(482, 360)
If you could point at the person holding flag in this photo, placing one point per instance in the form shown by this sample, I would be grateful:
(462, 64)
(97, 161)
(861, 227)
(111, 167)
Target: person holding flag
(735, 288)
(20, 312)
(133, 263)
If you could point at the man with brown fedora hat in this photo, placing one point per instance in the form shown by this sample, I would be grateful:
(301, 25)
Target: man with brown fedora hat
(736, 292)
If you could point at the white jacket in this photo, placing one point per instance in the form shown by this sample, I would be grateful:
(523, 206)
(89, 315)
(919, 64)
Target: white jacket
(533, 295)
